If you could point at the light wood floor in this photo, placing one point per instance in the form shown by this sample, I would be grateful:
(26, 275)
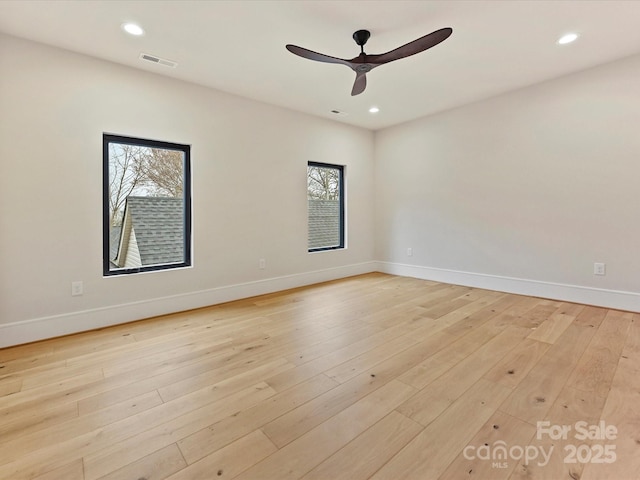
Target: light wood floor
(373, 376)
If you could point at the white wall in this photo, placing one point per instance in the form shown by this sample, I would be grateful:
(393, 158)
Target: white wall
(249, 192)
(522, 192)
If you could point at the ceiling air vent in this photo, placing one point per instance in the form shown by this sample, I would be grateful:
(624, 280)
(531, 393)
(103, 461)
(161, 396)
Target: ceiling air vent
(158, 60)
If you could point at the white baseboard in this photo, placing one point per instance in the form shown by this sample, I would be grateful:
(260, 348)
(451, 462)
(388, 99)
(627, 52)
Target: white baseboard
(620, 300)
(57, 325)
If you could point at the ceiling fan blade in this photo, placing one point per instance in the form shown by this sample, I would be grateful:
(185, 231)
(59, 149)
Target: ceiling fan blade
(360, 84)
(318, 57)
(411, 48)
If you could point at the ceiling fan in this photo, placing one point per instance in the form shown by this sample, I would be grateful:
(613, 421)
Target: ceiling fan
(363, 63)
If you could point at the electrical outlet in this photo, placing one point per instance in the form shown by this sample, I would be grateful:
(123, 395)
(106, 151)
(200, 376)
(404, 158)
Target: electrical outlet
(77, 288)
(409, 252)
(599, 269)
(262, 264)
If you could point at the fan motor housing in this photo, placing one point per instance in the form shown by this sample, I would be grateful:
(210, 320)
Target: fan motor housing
(361, 37)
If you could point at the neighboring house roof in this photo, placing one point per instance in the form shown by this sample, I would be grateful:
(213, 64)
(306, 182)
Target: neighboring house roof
(324, 223)
(156, 226)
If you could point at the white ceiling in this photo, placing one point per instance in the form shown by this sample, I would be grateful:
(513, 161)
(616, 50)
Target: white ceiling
(239, 46)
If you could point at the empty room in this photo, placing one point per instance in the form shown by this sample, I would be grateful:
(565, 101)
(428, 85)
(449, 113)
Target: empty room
(319, 240)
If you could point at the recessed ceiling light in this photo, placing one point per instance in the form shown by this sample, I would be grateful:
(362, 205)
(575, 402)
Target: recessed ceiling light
(568, 38)
(374, 110)
(133, 29)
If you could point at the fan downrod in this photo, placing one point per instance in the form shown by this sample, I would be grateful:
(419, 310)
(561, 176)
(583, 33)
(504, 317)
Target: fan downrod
(361, 37)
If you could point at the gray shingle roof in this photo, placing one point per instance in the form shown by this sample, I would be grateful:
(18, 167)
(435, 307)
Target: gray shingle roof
(158, 223)
(324, 223)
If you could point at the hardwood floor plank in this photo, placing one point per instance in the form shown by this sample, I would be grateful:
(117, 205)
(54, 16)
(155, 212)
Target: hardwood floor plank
(355, 336)
(166, 353)
(621, 411)
(516, 364)
(332, 359)
(305, 453)
(591, 317)
(469, 334)
(25, 424)
(440, 299)
(429, 454)
(33, 462)
(78, 427)
(12, 370)
(432, 400)
(71, 471)
(27, 352)
(437, 365)
(58, 351)
(60, 387)
(9, 386)
(550, 329)
(239, 374)
(181, 381)
(570, 407)
(133, 448)
(443, 360)
(477, 318)
(630, 356)
(443, 308)
(155, 466)
(472, 311)
(538, 315)
(535, 394)
(297, 422)
(230, 429)
(231, 460)
(478, 459)
(352, 368)
(364, 455)
(594, 371)
(59, 374)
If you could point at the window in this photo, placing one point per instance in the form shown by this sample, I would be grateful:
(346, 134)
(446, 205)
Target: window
(146, 205)
(325, 198)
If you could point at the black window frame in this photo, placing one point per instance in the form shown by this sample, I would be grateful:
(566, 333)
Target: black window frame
(341, 191)
(108, 139)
